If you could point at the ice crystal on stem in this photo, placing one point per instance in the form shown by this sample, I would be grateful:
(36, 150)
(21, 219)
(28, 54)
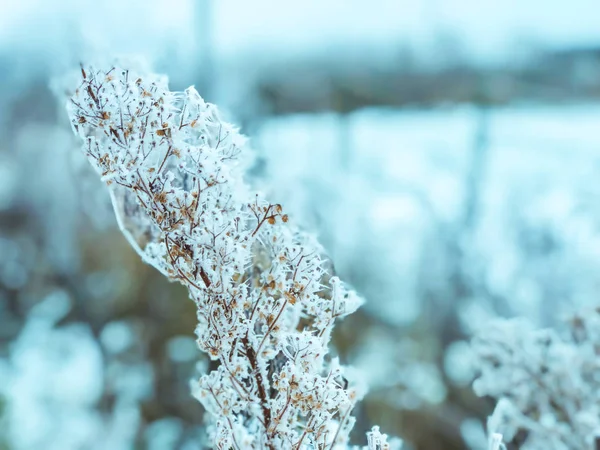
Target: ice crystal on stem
(266, 305)
(376, 440)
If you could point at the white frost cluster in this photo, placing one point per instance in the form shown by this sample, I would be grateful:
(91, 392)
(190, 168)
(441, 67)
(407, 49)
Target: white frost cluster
(547, 385)
(266, 305)
(378, 441)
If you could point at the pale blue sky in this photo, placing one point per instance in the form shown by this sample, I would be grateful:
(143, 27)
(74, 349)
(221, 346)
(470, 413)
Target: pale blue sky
(489, 28)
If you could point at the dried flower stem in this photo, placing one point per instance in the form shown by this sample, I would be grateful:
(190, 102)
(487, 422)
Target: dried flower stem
(266, 307)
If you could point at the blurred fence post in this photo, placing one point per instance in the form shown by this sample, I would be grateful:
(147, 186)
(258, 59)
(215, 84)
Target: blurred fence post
(205, 67)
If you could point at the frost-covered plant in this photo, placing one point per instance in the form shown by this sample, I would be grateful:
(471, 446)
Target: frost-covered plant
(495, 442)
(266, 304)
(547, 385)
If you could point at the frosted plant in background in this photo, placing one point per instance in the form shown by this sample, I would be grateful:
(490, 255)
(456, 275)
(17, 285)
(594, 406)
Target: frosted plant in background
(52, 379)
(60, 390)
(547, 385)
(266, 304)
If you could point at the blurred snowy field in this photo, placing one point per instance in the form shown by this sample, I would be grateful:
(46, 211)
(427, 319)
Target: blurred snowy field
(388, 177)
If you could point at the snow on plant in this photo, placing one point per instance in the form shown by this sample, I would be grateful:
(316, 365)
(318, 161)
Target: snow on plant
(495, 442)
(266, 304)
(547, 385)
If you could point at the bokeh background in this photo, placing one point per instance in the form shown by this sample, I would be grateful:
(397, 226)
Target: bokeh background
(446, 153)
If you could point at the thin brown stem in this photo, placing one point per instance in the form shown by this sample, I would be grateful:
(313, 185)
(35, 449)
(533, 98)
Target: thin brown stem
(262, 392)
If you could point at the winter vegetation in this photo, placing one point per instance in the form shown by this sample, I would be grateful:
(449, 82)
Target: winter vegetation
(546, 383)
(266, 301)
(526, 415)
(445, 161)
